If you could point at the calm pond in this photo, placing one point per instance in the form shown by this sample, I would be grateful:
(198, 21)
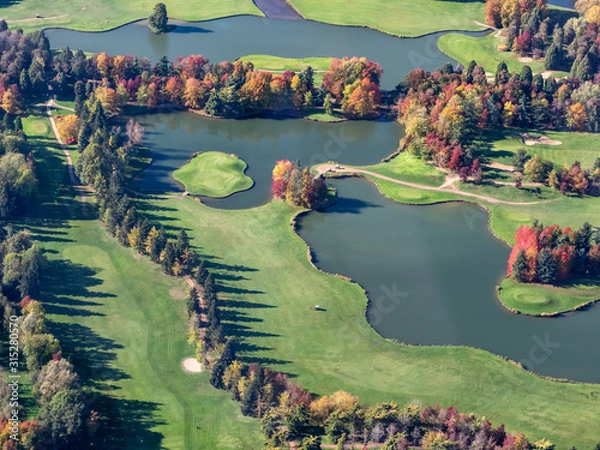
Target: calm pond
(430, 272)
(230, 38)
(173, 138)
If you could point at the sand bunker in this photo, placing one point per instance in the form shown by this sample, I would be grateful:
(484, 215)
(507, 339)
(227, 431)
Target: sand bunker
(530, 140)
(191, 365)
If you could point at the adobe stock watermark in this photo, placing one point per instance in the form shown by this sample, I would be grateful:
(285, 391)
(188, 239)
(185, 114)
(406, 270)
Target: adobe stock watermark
(539, 352)
(13, 378)
(333, 148)
(475, 217)
(385, 303)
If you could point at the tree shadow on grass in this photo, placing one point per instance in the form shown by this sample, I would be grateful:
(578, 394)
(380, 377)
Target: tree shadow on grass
(227, 267)
(92, 355)
(65, 278)
(127, 424)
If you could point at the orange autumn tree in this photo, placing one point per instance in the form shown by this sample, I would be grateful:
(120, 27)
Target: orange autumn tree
(68, 128)
(361, 99)
(297, 186)
(109, 99)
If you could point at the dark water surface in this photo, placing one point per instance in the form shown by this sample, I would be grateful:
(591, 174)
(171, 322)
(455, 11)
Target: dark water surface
(173, 139)
(230, 38)
(430, 273)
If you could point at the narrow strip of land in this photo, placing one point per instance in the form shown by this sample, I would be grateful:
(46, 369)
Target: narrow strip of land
(79, 188)
(447, 186)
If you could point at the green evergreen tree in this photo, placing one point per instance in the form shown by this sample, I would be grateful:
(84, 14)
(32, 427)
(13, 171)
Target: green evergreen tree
(546, 267)
(192, 302)
(183, 243)
(526, 76)
(213, 313)
(201, 273)
(297, 421)
(310, 443)
(582, 68)
(144, 230)
(226, 358)
(209, 286)
(502, 73)
(25, 84)
(213, 105)
(158, 20)
(519, 267)
(250, 400)
(168, 257)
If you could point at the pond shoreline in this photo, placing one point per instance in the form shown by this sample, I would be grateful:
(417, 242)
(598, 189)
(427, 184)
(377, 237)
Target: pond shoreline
(310, 257)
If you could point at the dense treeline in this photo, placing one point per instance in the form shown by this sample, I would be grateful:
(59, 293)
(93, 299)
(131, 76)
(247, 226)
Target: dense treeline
(444, 112)
(572, 46)
(103, 164)
(299, 187)
(22, 264)
(290, 413)
(224, 89)
(552, 254)
(205, 327)
(63, 416)
(232, 89)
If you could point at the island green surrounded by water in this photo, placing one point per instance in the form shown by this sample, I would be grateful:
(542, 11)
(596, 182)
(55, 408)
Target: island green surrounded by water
(214, 174)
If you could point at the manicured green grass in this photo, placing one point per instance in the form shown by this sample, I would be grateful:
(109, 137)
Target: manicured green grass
(123, 324)
(214, 174)
(66, 103)
(485, 51)
(102, 15)
(269, 287)
(322, 116)
(407, 167)
(277, 64)
(582, 147)
(537, 299)
(510, 192)
(397, 17)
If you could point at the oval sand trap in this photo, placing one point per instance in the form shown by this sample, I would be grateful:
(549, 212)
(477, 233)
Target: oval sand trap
(191, 365)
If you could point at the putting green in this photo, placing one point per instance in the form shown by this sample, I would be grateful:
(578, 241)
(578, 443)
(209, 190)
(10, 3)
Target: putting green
(539, 299)
(39, 126)
(214, 174)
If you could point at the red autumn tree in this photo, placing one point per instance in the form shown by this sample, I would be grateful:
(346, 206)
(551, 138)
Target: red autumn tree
(565, 260)
(527, 242)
